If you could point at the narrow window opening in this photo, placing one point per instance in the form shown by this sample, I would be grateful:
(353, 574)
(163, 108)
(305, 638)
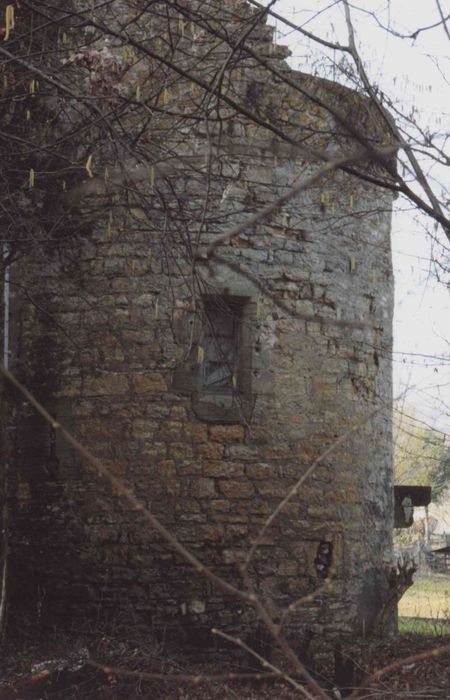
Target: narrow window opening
(221, 345)
(324, 559)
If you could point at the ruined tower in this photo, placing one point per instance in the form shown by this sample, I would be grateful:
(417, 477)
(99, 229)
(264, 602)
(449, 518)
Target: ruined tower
(210, 360)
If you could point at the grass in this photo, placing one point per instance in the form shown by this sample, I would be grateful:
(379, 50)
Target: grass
(422, 625)
(425, 607)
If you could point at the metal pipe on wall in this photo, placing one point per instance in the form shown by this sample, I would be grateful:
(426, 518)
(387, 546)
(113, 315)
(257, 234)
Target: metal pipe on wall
(4, 524)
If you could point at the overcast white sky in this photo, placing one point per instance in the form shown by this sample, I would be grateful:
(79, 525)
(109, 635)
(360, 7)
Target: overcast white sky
(412, 72)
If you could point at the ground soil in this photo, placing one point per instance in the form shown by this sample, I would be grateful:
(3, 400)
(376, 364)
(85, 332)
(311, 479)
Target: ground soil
(64, 668)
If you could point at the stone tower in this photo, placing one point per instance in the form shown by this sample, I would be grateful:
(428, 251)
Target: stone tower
(211, 361)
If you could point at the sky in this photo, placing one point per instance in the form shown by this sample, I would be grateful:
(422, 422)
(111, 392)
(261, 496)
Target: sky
(412, 72)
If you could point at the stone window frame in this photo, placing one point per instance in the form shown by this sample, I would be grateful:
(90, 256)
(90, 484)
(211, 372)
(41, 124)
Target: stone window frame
(228, 407)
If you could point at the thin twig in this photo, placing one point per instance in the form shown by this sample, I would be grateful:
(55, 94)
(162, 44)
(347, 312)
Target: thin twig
(195, 678)
(266, 212)
(264, 662)
(128, 495)
(294, 490)
(412, 659)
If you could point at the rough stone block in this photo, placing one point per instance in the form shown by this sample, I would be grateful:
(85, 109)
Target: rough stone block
(226, 433)
(196, 432)
(242, 452)
(143, 428)
(272, 488)
(260, 471)
(210, 450)
(148, 383)
(204, 488)
(236, 489)
(107, 384)
(180, 451)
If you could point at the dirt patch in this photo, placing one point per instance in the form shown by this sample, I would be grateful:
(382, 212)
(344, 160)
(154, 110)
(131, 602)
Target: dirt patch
(65, 669)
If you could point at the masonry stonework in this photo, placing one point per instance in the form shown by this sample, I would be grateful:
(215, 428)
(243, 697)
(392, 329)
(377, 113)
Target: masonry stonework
(110, 331)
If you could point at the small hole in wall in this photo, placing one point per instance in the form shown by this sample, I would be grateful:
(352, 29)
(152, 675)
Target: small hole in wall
(324, 559)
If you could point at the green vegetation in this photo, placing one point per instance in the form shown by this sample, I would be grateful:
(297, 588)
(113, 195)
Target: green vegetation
(425, 607)
(420, 625)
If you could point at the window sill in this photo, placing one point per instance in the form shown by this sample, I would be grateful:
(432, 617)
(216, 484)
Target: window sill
(222, 408)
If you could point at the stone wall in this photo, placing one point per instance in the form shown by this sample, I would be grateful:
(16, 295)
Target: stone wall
(109, 332)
